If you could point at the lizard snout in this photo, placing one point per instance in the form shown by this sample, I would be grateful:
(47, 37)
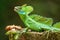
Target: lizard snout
(17, 8)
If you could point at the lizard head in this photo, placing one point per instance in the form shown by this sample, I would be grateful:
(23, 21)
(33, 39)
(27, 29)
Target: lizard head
(24, 9)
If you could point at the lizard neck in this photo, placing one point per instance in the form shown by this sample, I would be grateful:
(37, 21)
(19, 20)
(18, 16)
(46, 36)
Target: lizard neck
(23, 17)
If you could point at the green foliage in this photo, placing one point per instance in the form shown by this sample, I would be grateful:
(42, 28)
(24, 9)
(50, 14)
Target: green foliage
(11, 32)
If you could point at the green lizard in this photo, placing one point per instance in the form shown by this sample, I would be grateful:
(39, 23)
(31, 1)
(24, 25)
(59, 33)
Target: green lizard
(30, 21)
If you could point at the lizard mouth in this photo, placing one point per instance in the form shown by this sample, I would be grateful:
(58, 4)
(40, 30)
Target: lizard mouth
(17, 8)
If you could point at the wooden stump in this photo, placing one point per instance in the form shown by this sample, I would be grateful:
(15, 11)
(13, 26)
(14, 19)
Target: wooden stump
(40, 36)
(30, 35)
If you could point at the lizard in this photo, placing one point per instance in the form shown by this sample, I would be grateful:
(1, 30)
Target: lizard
(24, 11)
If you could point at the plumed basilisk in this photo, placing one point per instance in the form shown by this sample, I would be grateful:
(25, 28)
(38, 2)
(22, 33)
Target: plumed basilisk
(34, 21)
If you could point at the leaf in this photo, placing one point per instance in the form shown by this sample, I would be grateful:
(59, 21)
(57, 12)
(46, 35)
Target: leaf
(11, 32)
(57, 25)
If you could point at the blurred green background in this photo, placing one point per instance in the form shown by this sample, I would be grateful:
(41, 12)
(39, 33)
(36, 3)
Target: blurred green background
(48, 8)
